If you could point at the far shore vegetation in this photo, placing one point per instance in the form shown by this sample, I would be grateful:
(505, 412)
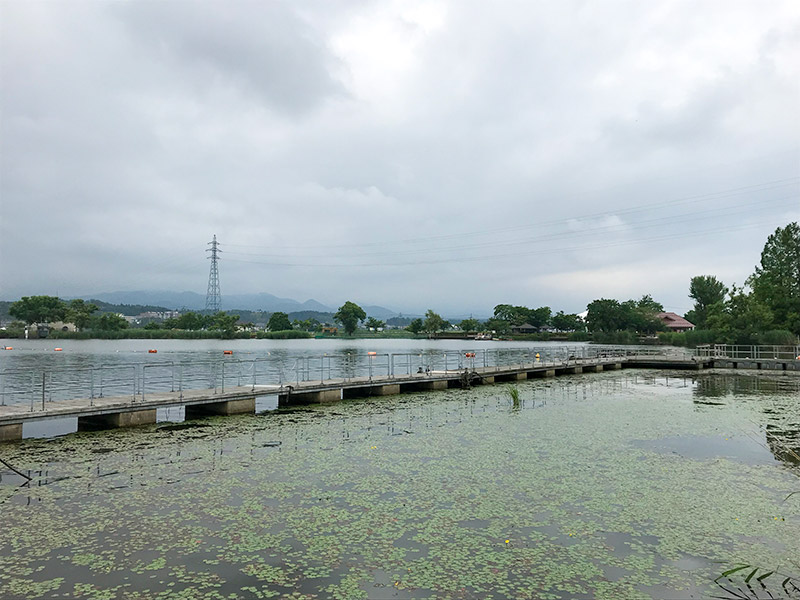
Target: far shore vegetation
(765, 310)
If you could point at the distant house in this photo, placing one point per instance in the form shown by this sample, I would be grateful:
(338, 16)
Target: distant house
(62, 326)
(675, 322)
(326, 329)
(524, 328)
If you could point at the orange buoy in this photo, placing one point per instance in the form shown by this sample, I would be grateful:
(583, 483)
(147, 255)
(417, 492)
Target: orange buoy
(58, 349)
(152, 351)
(8, 348)
(227, 351)
(372, 353)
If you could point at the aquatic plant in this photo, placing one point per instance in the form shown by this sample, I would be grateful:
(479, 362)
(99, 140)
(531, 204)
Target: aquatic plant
(513, 393)
(428, 495)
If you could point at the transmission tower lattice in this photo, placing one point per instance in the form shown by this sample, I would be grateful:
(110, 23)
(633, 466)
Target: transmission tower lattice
(213, 295)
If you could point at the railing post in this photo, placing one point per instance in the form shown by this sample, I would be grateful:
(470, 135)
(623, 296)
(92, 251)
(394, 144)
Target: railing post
(222, 381)
(44, 377)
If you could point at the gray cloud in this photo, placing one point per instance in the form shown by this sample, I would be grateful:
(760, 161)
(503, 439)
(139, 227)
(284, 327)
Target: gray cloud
(407, 154)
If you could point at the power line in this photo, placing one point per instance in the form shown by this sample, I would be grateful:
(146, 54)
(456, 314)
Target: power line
(637, 225)
(489, 257)
(695, 198)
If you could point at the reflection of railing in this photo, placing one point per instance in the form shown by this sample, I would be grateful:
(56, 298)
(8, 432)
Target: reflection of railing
(742, 352)
(142, 380)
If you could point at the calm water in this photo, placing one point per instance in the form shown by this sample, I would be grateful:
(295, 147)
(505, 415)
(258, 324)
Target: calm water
(85, 353)
(611, 485)
(88, 368)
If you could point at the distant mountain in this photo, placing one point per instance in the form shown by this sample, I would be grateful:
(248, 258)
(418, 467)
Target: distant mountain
(379, 312)
(253, 302)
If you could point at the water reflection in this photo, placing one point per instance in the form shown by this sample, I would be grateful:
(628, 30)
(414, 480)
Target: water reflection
(774, 398)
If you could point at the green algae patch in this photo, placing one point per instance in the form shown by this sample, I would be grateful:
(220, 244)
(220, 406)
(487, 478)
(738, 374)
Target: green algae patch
(606, 485)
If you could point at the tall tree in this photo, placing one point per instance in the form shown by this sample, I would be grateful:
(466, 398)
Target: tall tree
(374, 323)
(648, 305)
(80, 313)
(740, 318)
(224, 322)
(433, 322)
(38, 309)
(705, 290)
(776, 281)
(415, 326)
(564, 322)
(349, 314)
(279, 321)
(470, 324)
(109, 322)
(604, 314)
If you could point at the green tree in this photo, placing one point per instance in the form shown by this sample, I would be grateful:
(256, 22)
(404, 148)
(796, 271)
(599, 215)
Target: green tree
(776, 281)
(608, 315)
(646, 304)
(224, 322)
(279, 321)
(80, 313)
(642, 317)
(374, 323)
(538, 317)
(108, 322)
(500, 326)
(415, 326)
(505, 312)
(190, 321)
(470, 324)
(15, 330)
(605, 315)
(38, 309)
(564, 322)
(433, 323)
(705, 290)
(349, 315)
(741, 318)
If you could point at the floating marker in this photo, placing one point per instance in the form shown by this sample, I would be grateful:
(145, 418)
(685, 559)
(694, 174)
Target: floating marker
(152, 351)
(227, 351)
(372, 353)
(58, 349)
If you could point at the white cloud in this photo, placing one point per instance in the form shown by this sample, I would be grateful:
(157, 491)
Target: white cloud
(529, 153)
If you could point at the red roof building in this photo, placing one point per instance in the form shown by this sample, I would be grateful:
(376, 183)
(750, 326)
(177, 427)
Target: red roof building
(675, 322)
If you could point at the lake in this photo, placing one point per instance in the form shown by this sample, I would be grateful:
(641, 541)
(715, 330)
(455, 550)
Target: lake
(626, 484)
(87, 368)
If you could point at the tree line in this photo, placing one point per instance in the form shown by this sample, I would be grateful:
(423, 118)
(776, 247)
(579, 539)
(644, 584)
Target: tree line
(765, 310)
(43, 310)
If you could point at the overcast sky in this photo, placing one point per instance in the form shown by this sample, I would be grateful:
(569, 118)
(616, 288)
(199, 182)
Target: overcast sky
(446, 155)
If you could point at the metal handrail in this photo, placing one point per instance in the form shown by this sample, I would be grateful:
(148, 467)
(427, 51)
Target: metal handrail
(142, 378)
